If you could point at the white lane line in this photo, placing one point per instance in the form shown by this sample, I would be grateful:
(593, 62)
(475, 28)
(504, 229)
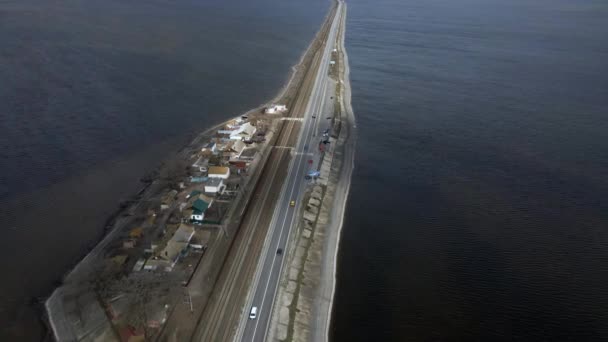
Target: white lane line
(308, 138)
(297, 164)
(269, 241)
(293, 217)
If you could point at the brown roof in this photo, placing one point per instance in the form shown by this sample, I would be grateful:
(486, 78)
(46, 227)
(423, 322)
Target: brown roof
(218, 170)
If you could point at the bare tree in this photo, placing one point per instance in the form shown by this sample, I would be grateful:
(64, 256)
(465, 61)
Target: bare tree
(147, 293)
(174, 171)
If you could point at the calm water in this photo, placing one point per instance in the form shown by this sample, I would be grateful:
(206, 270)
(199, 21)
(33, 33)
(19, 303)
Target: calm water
(482, 165)
(93, 94)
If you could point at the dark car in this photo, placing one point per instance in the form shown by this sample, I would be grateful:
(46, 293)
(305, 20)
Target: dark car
(280, 251)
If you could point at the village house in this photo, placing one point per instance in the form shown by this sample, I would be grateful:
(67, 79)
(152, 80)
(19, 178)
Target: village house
(219, 172)
(277, 108)
(237, 148)
(248, 154)
(198, 206)
(214, 186)
(209, 148)
(176, 245)
(245, 132)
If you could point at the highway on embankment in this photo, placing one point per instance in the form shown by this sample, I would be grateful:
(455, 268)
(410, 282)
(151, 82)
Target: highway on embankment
(285, 217)
(221, 315)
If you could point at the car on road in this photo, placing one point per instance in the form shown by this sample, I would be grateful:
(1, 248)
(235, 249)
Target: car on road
(253, 314)
(280, 251)
(292, 203)
(314, 116)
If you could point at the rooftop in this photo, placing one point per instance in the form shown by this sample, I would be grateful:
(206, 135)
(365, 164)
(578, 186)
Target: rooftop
(218, 170)
(194, 193)
(249, 152)
(200, 206)
(214, 181)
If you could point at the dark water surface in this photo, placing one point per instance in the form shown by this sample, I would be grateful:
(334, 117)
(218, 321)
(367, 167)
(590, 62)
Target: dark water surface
(94, 94)
(481, 181)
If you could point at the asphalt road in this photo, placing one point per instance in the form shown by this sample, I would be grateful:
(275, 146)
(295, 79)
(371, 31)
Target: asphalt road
(285, 217)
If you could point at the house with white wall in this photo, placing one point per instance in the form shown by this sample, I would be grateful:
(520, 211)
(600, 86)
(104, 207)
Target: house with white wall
(275, 108)
(214, 186)
(244, 132)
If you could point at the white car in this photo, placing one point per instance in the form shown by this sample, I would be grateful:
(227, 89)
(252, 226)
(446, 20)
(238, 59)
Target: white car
(253, 314)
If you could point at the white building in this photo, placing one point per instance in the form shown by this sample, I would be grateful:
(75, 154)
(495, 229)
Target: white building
(214, 186)
(244, 132)
(275, 109)
(209, 148)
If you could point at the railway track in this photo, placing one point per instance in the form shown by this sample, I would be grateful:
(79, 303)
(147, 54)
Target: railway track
(220, 318)
(221, 315)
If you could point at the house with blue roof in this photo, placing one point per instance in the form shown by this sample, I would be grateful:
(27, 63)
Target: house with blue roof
(200, 204)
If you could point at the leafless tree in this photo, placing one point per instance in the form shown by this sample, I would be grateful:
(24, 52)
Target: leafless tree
(174, 171)
(147, 293)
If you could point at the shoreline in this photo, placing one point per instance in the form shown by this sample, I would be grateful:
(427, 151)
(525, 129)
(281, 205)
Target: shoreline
(108, 234)
(279, 97)
(79, 270)
(341, 212)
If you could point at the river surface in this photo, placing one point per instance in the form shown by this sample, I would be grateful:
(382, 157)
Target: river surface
(95, 93)
(482, 162)
(481, 172)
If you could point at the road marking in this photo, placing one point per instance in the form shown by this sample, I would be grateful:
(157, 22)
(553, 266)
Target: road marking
(309, 137)
(298, 162)
(297, 165)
